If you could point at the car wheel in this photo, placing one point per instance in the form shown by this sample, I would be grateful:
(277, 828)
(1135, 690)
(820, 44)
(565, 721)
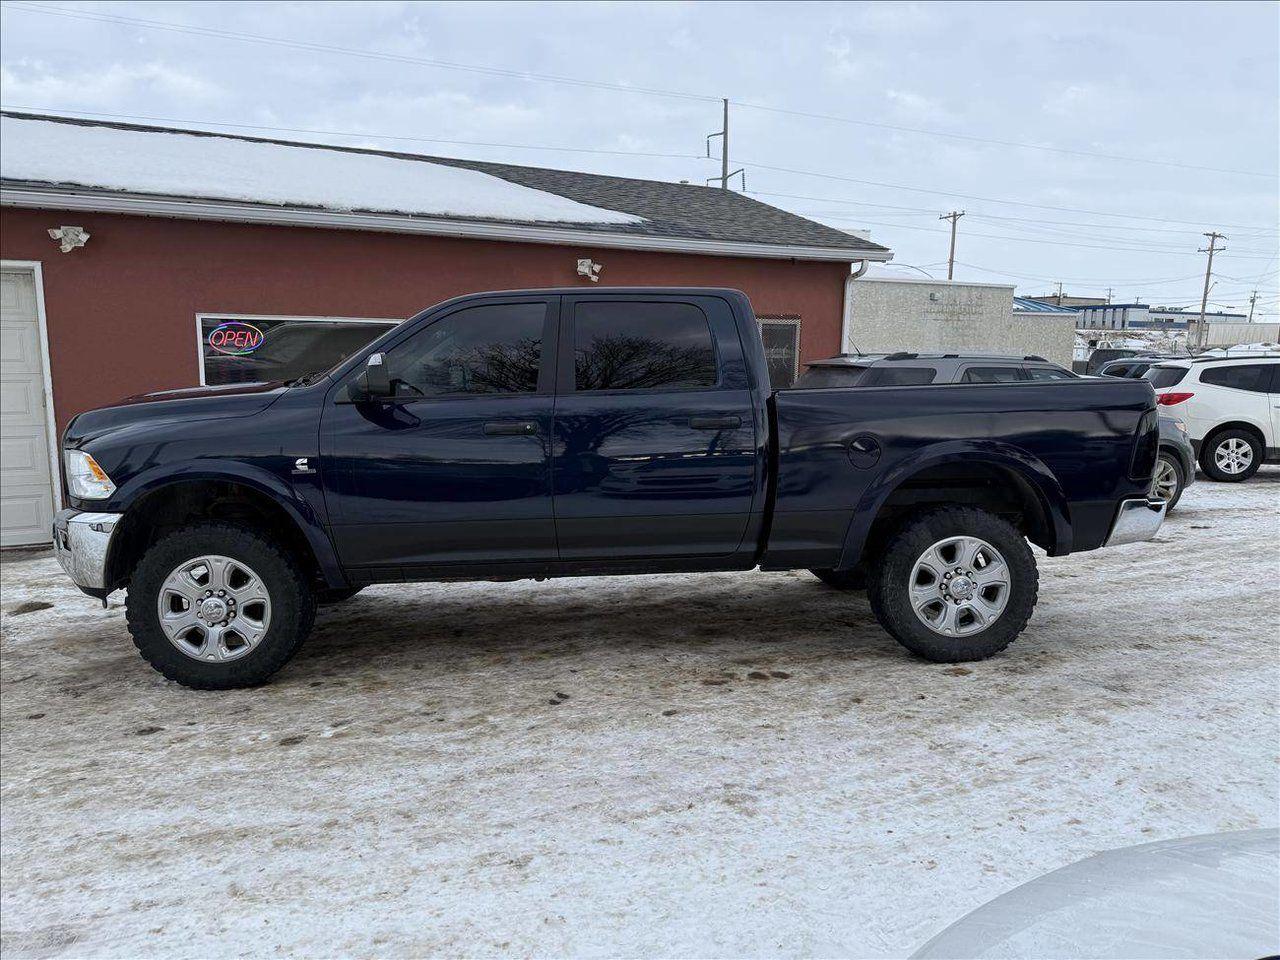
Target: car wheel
(955, 584)
(1231, 456)
(1168, 480)
(215, 606)
(842, 579)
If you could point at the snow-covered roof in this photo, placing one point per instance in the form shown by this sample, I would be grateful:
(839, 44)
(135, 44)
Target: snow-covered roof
(173, 163)
(1026, 305)
(68, 163)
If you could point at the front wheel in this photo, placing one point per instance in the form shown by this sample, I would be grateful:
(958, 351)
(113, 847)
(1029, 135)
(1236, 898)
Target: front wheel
(955, 584)
(215, 606)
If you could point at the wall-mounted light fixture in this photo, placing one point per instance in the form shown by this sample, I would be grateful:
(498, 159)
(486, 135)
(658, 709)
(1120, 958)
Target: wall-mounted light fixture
(590, 269)
(69, 238)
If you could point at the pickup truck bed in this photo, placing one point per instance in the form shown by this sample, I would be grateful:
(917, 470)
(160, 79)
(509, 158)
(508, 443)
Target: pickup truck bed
(548, 433)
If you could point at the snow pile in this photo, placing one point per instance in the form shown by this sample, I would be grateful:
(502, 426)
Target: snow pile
(224, 168)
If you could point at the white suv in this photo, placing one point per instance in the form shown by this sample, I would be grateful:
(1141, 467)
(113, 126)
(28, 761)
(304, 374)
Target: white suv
(1231, 407)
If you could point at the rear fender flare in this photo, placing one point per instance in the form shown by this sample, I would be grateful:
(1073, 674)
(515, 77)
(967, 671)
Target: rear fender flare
(1053, 501)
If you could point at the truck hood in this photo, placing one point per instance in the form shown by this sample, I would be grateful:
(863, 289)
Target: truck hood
(188, 404)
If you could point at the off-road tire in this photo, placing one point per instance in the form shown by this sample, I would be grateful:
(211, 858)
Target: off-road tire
(1212, 442)
(293, 606)
(842, 579)
(890, 581)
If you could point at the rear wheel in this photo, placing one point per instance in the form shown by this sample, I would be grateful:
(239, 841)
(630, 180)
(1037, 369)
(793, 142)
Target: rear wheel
(842, 579)
(955, 584)
(1168, 480)
(216, 606)
(1231, 456)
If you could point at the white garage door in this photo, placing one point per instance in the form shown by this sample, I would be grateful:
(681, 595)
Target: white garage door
(26, 491)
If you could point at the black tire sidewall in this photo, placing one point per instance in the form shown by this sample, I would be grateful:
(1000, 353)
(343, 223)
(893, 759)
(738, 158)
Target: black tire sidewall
(891, 600)
(292, 606)
(1209, 465)
(1178, 472)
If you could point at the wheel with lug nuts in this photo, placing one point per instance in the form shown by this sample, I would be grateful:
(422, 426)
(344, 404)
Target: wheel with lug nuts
(1231, 456)
(216, 606)
(955, 584)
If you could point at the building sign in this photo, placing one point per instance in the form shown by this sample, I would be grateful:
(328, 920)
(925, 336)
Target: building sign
(235, 338)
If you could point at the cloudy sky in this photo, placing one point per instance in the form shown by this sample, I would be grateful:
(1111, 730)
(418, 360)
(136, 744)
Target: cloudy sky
(1090, 143)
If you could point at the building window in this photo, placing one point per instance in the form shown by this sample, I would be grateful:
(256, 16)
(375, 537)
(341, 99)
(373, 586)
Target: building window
(244, 348)
(781, 337)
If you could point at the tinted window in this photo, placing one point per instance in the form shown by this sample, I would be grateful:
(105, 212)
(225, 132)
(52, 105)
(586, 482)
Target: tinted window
(1116, 370)
(817, 378)
(494, 348)
(642, 346)
(992, 375)
(1049, 373)
(1161, 377)
(244, 351)
(899, 377)
(1245, 376)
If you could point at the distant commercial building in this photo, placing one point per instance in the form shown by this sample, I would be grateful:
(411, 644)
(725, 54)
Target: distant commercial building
(1140, 316)
(1067, 300)
(1028, 307)
(1177, 318)
(891, 313)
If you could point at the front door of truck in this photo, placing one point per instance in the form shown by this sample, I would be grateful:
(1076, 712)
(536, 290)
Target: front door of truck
(655, 442)
(455, 468)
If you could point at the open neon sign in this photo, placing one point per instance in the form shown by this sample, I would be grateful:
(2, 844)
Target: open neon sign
(235, 338)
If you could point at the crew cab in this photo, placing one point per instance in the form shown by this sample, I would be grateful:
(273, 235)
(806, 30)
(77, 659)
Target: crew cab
(552, 433)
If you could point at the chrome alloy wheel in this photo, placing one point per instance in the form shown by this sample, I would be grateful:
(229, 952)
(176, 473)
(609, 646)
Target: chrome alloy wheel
(1233, 455)
(214, 608)
(1164, 484)
(959, 586)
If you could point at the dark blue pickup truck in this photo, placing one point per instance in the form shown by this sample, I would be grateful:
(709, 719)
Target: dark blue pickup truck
(551, 433)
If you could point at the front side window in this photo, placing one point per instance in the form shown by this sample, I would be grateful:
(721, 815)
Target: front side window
(253, 349)
(490, 348)
(992, 375)
(1255, 377)
(642, 346)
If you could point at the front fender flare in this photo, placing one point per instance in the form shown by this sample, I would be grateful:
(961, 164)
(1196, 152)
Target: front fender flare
(1044, 484)
(263, 481)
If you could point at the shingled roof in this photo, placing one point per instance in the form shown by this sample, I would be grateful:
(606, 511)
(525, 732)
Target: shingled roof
(75, 163)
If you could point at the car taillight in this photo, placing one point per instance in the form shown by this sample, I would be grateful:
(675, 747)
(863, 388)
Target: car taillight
(1169, 399)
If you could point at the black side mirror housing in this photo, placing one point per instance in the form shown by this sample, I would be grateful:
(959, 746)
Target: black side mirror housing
(374, 382)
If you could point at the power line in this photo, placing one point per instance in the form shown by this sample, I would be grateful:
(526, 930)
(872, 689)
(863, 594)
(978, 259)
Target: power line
(365, 136)
(101, 17)
(969, 196)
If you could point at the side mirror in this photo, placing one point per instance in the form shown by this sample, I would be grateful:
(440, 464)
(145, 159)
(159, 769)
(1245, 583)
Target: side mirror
(374, 382)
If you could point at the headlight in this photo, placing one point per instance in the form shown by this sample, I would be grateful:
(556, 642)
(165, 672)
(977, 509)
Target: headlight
(85, 479)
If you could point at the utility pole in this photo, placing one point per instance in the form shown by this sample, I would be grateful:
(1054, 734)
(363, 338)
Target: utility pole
(1059, 297)
(1214, 237)
(723, 134)
(1253, 298)
(1108, 296)
(953, 216)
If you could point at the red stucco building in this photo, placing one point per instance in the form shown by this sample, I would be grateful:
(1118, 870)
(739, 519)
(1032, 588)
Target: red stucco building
(180, 233)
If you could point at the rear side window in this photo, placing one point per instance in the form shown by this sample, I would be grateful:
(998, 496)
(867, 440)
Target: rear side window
(898, 377)
(1117, 370)
(1161, 377)
(1049, 373)
(642, 346)
(817, 378)
(992, 375)
(1246, 376)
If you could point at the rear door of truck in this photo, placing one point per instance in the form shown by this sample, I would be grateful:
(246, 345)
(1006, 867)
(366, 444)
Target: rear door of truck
(655, 452)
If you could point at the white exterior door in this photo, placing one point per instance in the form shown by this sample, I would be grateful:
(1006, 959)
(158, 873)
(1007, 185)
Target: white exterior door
(26, 487)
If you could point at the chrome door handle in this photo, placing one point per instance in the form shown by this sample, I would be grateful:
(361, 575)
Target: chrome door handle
(510, 428)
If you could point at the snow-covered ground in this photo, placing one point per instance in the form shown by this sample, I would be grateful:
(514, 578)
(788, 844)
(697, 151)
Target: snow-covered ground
(722, 765)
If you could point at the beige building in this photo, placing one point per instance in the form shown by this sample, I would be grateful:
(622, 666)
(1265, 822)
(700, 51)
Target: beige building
(885, 314)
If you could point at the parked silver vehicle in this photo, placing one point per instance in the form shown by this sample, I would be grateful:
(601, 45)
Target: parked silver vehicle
(1176, 466)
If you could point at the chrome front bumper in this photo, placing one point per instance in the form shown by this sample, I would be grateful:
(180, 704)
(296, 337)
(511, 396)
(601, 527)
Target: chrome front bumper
(81, 541)
(1136, 520)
